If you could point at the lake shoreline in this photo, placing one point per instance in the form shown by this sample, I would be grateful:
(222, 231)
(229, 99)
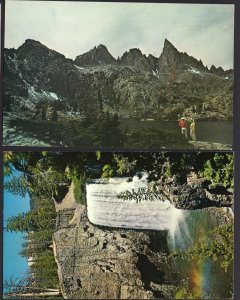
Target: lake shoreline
(201, 145)
(210, 135)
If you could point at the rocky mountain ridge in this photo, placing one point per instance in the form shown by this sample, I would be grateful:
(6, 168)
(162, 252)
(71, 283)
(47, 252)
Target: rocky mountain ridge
(134, 85)
(170, 59)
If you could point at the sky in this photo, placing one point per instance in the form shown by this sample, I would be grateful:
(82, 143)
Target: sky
(13, 263)
(204, 31)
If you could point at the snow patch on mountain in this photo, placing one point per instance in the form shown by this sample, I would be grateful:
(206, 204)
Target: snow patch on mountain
(37, 96)
(156, 73)
(53, 95)
(79, 68)
(193, 70)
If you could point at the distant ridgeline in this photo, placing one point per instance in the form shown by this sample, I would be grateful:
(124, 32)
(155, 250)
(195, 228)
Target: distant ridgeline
(41, 83)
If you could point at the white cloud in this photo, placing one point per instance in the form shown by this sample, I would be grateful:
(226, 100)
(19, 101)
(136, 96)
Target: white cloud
(202, 30)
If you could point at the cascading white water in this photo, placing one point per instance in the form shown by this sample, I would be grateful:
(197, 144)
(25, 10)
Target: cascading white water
(183, 227)
(105, 208)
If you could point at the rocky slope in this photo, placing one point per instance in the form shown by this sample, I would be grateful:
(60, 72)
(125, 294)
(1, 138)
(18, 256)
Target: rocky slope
(134, 85)
(105, 263)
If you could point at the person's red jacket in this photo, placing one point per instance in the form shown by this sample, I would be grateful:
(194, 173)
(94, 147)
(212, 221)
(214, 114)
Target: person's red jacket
(182, 124)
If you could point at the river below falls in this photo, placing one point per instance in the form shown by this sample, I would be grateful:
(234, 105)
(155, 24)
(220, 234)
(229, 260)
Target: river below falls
(183, 228)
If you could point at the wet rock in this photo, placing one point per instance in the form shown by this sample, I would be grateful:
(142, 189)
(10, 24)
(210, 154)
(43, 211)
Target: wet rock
(196, 194)
(111, 264)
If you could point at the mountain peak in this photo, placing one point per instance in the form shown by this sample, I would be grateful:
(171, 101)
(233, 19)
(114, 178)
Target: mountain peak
(218, 71)
(172, 60)
(33, 43)
(135, 58)
(168, 45)
(97, 56)
(101, 46)
(133, 53)
(166, 42)
(33, 49)
(135, 50)
(169, 59)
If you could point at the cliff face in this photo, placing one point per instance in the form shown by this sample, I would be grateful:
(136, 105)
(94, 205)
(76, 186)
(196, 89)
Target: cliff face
(102, 263)
(135, 58)
(106, 263)
(134, 85)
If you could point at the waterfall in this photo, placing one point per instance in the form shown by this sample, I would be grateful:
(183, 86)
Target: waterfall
(183, 228)
(106, 209)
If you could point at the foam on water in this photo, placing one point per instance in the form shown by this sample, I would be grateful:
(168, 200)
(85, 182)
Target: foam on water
(106, 209)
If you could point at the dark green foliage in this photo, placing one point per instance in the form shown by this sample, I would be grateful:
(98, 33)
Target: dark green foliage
(79, 189)
(107, 171)
(17, 186)
(215, 167)
(119, 164)
(40, 225)
(101, 132)
(104, 131)
(38, 178)
(38, 174)
(153, 138)
(219, 169)
(124, 165)
(218, 245)
(17, 161)
(24, 222)
(46, 170)
(39, 240)
(185, 291)
(54, 115)
(44, 174)
(43, 112)
(45, 270)
(142, 194)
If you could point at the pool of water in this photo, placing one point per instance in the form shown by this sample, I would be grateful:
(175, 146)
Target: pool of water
(206, 131)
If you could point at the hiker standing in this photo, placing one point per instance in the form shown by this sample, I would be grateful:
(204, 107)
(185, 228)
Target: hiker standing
(183, 125)
(193, 130)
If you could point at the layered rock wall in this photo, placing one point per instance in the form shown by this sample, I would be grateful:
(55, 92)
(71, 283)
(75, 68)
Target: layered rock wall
(104, 263)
